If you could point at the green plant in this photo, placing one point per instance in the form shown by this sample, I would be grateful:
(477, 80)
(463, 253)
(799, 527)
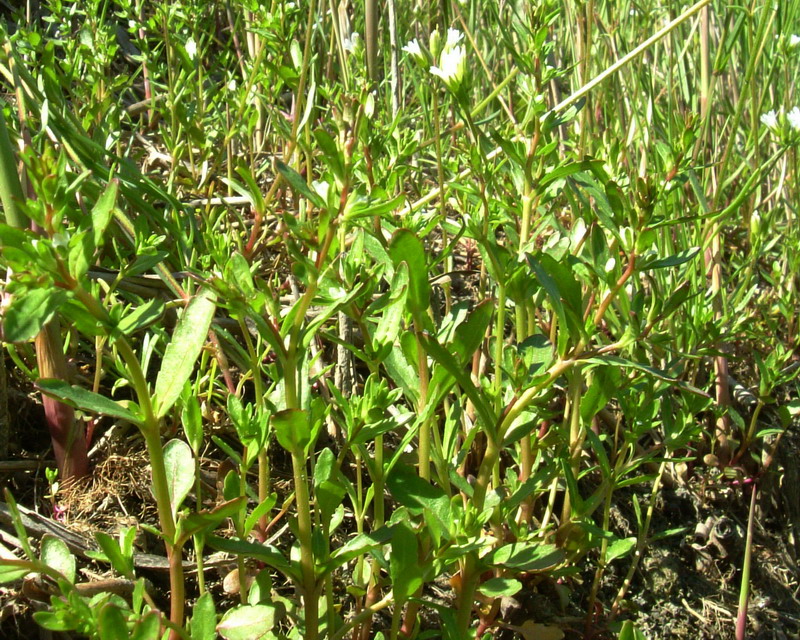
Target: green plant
(438, 311)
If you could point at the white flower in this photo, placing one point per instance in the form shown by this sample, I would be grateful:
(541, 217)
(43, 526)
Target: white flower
(418, 54)
(454, 36)
(794, 41)
(451, 67)
(793, 118)
(350, 44)
(191, 48)
(770, 120)
(413, 48)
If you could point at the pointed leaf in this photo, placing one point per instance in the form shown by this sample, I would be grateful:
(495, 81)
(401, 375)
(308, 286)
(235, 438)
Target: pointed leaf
(406, 247)
(103, 211)
(404, 563)
(182, 351)
(619, 549)
(477, 396)
(267, 554)
(298, 183)
(85, 400)
(121, 563)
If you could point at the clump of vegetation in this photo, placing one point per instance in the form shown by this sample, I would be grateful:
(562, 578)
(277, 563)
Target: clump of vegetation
(439, 290)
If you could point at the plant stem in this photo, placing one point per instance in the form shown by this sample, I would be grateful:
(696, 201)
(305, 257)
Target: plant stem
(744, 589)
(304, 536)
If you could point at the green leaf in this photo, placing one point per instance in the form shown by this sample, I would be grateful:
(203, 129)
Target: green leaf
(19, 526)
(182, 351)
(630, 631)
(60, 620)
(471, 333)
(619, 549)
(30, 311)
(85, 400)
(248, 622)
(476, 395)
(406, 247)
(417, 493)
(499, 587)
(293, 429)
(11, 570)
(389, 324)
(192, 421)
(148, 627)
(80, 254)
(142, 316)
(267, 554)
(121, 562)
(329, 488)
(332, 156)
(261, 510)
(563, 290)
(204, 619)
(358, 546)
(194, 523)
(526, 556)
(111, 623)
(298, 183)
(673, 261)
(404, 566)
(179, 464)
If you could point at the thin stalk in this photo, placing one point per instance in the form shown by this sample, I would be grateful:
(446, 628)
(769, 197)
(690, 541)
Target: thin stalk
(371, 38)
(744, 589)
(641, 541)
(575, 433)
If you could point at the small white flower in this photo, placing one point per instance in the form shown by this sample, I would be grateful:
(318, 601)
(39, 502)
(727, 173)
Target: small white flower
(454, 36)
(793, 118)
(350, 44)
(794, 41)
(191, 48)
(770, 120)
(451, 67)
(413, 48)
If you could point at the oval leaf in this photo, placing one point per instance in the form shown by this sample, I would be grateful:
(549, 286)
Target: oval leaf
(179, 464)
(111, 623)
(204, 619)
(248, 622)
(56, 555)
(526, 556)
(292, 429)
(499, 587)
